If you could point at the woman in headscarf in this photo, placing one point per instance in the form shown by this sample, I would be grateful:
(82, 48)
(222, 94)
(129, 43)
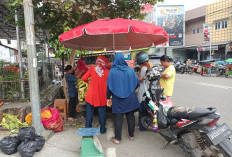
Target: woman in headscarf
(81, 69)
(96, 93)
(121, 84)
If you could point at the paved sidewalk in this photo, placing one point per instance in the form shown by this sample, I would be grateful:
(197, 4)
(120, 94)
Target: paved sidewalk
(62, 144)
(68, 144)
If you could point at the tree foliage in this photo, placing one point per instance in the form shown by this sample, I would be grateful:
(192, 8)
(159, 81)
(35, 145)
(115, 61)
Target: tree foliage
(57, 16)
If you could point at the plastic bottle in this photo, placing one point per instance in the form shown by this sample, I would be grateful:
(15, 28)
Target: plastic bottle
(155, 124)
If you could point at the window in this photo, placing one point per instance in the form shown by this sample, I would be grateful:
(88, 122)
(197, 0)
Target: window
(226, 24)
(219, 25)
(193, 31)
(198, 31)
(223, 24)
(8, 41)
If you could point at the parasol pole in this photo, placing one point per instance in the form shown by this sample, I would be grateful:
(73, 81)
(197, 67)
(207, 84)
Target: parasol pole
(72, 57)
(113, 43)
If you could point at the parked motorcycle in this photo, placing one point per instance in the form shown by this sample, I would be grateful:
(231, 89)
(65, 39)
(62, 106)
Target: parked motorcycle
(182, 68)
(179, 67)
(196, 68)
(195, 130)
(221, 70)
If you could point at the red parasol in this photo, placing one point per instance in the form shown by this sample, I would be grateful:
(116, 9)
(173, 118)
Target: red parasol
(114, 34)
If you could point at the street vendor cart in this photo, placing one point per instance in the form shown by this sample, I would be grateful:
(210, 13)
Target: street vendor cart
(228, 70)
(111, 35)
(208, 67)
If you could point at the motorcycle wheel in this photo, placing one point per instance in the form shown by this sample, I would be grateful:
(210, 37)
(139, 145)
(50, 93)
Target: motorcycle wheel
(191, 71)
(192, 146)
(189, 145)
(182, 70)
(218, 73)
(147, 123)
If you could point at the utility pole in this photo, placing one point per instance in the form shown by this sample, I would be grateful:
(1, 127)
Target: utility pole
(210, 51)
(47, 51)
(45, 66)
(19, 55)
(32, 66)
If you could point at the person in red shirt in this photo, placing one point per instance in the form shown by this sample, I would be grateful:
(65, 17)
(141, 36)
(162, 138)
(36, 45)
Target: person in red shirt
(96, 93)
(81, 69)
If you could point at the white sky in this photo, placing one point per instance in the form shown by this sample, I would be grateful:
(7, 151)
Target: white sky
(188, 4)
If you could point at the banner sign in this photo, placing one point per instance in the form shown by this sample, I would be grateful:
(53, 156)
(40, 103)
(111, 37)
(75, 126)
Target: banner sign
(206, 30)
(171, 18)
(213, 48)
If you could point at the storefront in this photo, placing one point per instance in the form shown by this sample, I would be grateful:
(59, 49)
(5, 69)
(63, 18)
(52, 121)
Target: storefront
(217, 52)
(229, 50)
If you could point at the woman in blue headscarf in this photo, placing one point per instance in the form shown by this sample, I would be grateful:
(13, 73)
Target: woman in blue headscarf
(121, 84)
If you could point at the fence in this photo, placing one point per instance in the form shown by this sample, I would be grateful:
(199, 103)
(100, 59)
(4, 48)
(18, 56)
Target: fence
(10, 83)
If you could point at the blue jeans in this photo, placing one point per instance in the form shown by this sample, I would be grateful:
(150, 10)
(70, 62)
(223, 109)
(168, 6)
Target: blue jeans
(141, 110)
(101, 114)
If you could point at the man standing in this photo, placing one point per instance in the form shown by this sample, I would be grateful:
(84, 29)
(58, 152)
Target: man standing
(142, 59)
(72, 92)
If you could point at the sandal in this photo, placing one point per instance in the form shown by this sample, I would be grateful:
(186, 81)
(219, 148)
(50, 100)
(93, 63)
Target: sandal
(114, 140)
(131, 138)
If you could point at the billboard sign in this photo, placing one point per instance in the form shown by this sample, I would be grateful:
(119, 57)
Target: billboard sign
(206, 30)
(171, 18)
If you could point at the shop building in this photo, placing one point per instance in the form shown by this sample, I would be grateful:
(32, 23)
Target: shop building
(194, 36)
(219, 17)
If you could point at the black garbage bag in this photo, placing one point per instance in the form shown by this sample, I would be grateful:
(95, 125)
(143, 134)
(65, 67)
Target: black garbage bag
(162, 120)
(27, 148)
(8, 145)
(26, 134)
(40, 142)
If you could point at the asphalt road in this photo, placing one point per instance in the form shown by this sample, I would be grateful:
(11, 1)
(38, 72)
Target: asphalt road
(190, 90)
(205, 91)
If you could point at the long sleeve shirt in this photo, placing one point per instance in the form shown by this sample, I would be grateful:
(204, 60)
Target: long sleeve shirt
(96, 93)
(71, 81)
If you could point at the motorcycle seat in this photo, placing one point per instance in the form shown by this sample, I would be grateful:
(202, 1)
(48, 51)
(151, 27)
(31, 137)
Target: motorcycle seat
(190, 113)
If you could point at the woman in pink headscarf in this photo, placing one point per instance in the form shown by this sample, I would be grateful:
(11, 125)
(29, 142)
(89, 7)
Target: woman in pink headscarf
(96, 93)
(81, 69)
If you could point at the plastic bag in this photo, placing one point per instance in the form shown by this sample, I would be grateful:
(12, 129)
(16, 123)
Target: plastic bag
(55, 122)
(28, 118)
(8, 145)
(162, 120)
(26, 134)
(45, 113)
(166, 105)
(59, 126)
(40, 142)
(27, 148)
